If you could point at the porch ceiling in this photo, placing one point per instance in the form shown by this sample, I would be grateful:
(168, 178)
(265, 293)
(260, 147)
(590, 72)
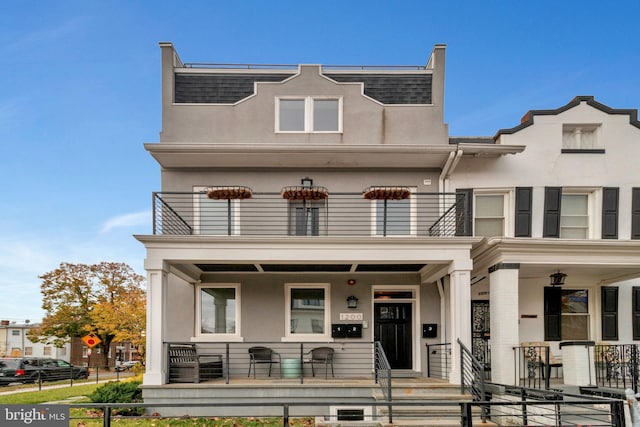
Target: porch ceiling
(590, 261)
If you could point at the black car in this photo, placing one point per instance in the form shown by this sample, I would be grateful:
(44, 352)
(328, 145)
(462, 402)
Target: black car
(32, 369)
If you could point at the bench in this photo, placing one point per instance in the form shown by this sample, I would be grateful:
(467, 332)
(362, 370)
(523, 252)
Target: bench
(186, 365)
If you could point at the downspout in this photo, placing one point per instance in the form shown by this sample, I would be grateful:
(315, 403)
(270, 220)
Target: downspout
(448, 169)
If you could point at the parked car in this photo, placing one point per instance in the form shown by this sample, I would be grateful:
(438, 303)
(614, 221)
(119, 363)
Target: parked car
(125, 366)
(32, 369)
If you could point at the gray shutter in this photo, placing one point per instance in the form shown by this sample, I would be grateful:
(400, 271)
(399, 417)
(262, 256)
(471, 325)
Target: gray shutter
(301, 226)
(552, 313)
(552, 202)
(610, 212)
(523, 211)
(609, 305)
(315, 221)
(464, 212)
(635, 213)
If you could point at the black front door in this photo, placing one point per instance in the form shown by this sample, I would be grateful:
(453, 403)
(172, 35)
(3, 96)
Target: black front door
(393, 330)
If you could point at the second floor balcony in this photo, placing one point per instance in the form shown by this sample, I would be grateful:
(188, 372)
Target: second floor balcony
(309, 211)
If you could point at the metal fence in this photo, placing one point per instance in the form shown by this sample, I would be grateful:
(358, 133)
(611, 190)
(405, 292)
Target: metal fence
(617, 365)
(439, 360)
(339, 214)
(518, 406)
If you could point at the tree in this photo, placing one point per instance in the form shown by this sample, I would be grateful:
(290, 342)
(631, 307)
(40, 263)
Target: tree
(107, 299)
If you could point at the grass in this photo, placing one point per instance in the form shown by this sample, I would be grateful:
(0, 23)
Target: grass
(89, 417)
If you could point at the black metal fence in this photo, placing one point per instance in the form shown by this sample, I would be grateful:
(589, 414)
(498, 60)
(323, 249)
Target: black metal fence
(518, 406)
(339, 214)
(532, 365)
(617, 365)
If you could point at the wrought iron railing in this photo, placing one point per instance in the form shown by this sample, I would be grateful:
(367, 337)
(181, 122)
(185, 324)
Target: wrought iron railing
(617, 365)
(532, 365)
(339, 214)
(439, 360)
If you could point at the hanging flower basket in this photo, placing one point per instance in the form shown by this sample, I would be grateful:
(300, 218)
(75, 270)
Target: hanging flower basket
(305, 193)
(386, 193)
(226, 193)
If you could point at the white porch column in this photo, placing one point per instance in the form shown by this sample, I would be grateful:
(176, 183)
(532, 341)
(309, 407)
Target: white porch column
(156, 305)
(503, 304)
(460, 315)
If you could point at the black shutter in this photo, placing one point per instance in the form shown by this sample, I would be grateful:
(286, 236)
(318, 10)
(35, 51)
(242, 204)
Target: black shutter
(523, 211)
(636, 312)
(635, 213)
(610, 212)
(464, 212)
(552, 202)
(609, 305)
(552, 314)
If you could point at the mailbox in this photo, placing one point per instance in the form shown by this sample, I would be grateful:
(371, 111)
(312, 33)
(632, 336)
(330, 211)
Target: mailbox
(429, 330)
(354, 330)
(338, 330)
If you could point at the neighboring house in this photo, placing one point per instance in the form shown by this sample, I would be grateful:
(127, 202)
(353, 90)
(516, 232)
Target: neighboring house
(14, 342)
(118, 352)
(287, 190)
(569, 204)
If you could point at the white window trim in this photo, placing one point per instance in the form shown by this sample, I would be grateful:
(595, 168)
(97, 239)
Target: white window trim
(594, 199)
(591, 326)
(508, 208)
(413, 215)
(235, 212)
(199, 336)
(308, 113)
(288, 336)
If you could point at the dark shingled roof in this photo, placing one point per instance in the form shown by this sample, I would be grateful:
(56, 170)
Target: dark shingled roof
(392, 88)
(219, 88)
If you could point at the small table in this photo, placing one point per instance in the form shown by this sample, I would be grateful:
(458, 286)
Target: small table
(210, 366)
(291, 368)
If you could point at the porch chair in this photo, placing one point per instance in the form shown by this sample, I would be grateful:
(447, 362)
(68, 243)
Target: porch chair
(184, 365)
(263, 355)
(323, 355)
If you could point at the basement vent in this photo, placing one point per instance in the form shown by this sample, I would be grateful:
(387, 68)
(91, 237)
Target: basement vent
(350, 413)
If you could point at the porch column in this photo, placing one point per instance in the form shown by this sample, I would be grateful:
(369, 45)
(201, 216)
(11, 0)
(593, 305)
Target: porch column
(460, 314)
(503, 306)
(156, 305)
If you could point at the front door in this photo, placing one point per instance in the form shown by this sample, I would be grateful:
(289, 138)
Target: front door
(393, 330)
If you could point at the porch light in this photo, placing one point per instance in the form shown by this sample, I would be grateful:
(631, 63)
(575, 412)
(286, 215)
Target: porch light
(306, 182)
(557, 279)
(352, 302)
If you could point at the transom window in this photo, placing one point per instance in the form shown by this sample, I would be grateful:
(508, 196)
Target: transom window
(218, 309)
(309, 114)
(308, 311)
(574, 216)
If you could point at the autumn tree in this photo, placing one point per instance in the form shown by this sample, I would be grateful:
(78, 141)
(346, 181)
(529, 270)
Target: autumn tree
(107, 299)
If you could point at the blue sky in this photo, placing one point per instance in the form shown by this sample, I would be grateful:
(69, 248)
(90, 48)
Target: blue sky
(80, 94)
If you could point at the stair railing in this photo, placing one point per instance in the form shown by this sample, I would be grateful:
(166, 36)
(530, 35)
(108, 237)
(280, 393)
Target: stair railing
(472, 373)
(383, 376)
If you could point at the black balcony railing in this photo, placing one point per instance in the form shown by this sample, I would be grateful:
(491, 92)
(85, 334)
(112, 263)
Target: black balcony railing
(339, 214)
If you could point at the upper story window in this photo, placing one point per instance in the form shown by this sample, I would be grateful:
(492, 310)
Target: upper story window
(490, 214)
(217, 209)
(309, 114)
(581, 138)
(393, 210)
(15, 332)
(574, 216)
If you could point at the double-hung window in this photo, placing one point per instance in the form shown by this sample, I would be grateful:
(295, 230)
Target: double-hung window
(309, 115)
(308, 311)
(490, 210)
(218, 311)
(574, 216)
(566, 314)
